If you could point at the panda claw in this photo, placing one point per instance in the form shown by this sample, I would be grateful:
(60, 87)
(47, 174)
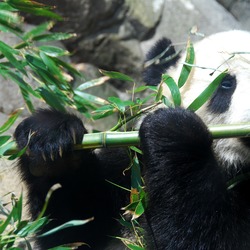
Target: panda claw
(60, 151)
(44, 157)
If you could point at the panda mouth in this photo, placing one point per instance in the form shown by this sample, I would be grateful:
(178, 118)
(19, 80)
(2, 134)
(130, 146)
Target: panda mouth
(246, 141)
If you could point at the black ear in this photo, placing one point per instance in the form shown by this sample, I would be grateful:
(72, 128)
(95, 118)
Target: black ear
(160, 57)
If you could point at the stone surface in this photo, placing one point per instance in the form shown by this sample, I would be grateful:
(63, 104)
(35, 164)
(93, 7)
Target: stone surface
(208, 18)
(108, 31)
(240, 9)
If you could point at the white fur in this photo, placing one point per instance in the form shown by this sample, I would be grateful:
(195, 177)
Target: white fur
(211, 53)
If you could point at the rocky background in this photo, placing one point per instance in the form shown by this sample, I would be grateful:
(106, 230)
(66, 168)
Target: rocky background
(115, 35)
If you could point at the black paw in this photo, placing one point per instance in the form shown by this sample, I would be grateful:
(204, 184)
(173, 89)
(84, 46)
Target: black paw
(171, 129)
(49, 134)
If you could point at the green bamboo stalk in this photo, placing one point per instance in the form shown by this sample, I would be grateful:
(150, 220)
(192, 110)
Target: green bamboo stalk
(122, 139)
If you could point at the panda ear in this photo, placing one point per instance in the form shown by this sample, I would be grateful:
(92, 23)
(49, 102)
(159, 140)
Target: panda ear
(159, 58)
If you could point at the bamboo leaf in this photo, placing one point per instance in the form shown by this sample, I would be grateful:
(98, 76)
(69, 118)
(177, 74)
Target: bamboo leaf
(119, 104)
(34, 8)
(207, 93)
(9, 53)
(5, 6)
(103, 111)
(38, 30)
(91, 98)
(7, 147)
(27, 99)
(92, 83)
(4, 139)
(12, 118)
(117, 75)
(51, 99)
(52, 66)
(186, 69)
(176, 96)
(32, 227)
(72, 223)
(53, 51)
(35, 62)
(53, 37)
(10, 17)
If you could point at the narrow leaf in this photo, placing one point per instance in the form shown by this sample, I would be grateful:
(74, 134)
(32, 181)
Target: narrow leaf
(186, 69)
(92, 83)
(53, 51)
(51, 99)
(117, 75)
(72, 223)
(12, 118)
(38, 30)
(176, 96)
(9, 53)
(119, 104)
(34, 8)
(207, 93)
(53, 37)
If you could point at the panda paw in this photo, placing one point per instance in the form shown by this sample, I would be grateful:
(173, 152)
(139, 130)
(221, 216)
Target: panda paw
(174, 129)
(49, 134)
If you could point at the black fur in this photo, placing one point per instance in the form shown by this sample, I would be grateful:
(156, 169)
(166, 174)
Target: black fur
(152, 72)
(221, 99)
(189, 205)
(85, 192)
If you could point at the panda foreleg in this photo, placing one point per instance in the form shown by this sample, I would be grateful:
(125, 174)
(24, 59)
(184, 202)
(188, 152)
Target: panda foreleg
(84, 194)
(188, 203)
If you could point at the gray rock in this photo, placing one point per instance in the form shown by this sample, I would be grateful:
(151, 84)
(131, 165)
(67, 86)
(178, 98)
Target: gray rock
(108, 31)
(180, 16)
(240, 9)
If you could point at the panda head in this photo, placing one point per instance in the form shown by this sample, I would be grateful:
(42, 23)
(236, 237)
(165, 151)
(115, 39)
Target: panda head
(230, 103)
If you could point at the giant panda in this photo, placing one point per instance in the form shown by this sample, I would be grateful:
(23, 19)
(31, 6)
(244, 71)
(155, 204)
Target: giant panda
(189, 203)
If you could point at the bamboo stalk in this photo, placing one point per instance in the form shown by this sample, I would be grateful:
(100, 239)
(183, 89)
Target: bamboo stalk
(122, 139)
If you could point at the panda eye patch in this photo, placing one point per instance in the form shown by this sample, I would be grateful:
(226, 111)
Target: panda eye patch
(228, 82)
(221, 99)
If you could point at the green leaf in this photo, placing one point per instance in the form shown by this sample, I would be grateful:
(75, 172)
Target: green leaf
(103, 111)
(207, 93)
(117, 75)
(6, 147)
(83, 105)
(173, 89)
(186, 69)
(119, 104)
(27, 99)
(32, 227)
(134, 247)
(136, 181)
(4, 139)
(51, 99)
(92, 83)
(52, 66)
(10, 121)
(35, 62)
(34, 8)
(143, 88)
(10, 17)
(91, 98)
(53, 51)
(15, 76)
(53, 37)
(38, 30)
(72, 223)
(67, 66)
(5, 6)
(9, 53)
